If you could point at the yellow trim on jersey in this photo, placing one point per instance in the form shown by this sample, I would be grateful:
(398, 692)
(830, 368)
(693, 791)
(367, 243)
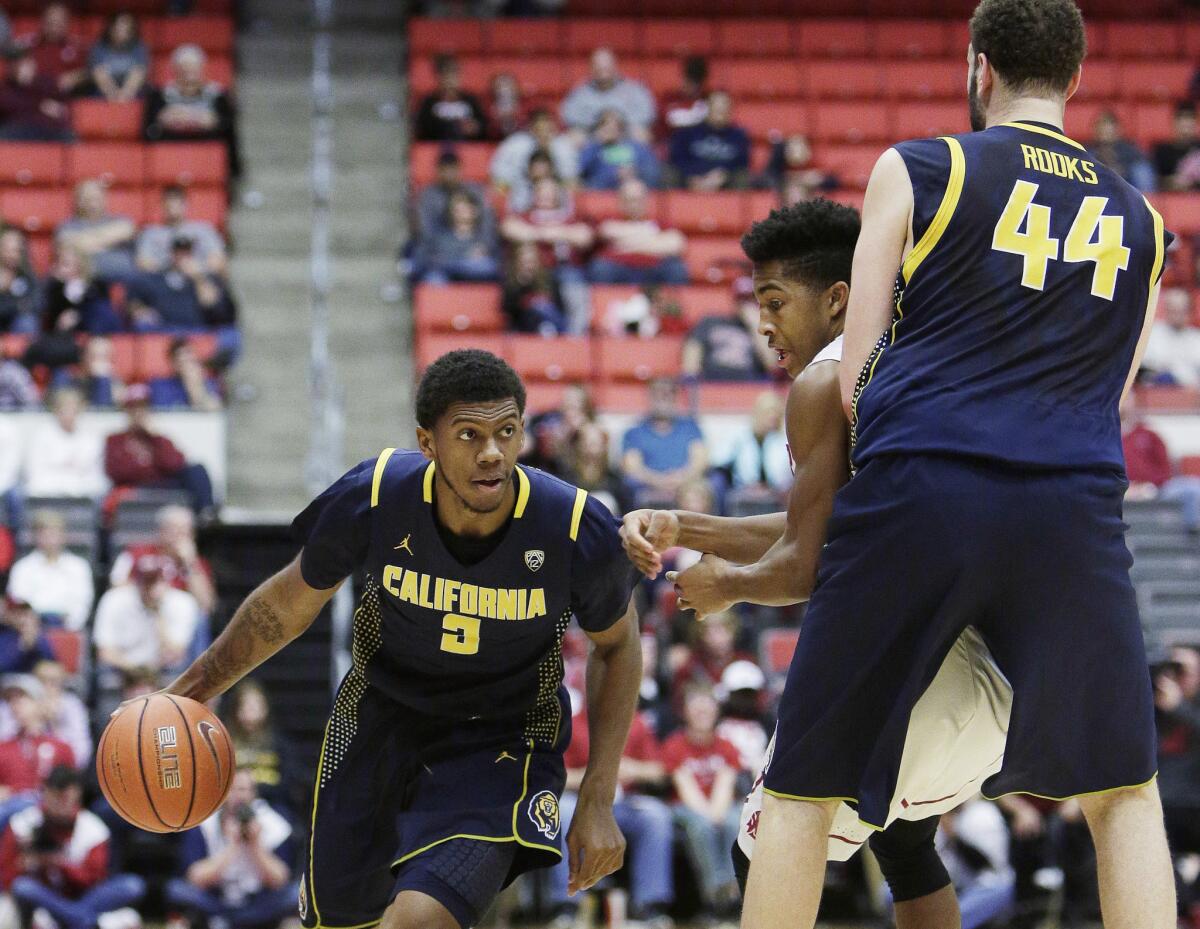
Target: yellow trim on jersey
(945, 212)
(1042, 130)
(457, 835)
(427, 483)
(312, 833)
(374, 922)
(522, 493)
(782, 796)
(377, 478)
(1158, 243)
(1090, 793)
(577, 512)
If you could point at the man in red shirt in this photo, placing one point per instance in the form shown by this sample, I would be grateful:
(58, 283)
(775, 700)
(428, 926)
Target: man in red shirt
(635, 249)
(1148, 467)
(185, 569)
(138, 457)
(57, 52)
(644, 820)
(32, 753)
(704, 769)
(54, 856)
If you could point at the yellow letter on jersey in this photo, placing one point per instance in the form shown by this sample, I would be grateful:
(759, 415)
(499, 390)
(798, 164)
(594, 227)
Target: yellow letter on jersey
(1034, 244)
(1108, 250)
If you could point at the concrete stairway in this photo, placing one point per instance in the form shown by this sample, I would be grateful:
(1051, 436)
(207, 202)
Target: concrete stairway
(270, 429)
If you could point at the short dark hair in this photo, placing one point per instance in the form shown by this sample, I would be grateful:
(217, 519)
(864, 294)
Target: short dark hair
(61, 777)
(695, 68)
(466, 375)
(814, 240)
(444, 62)
(174, 190)
(1185, 108)
(1032, 44)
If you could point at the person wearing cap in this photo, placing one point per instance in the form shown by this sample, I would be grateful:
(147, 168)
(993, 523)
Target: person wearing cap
(154, 241)
(57, 583)
(22, 643)
(743, 723)
(184, 295)
(727, 347)
(176, 542)
(139, 457)
(449, 113)
(55, 856)
(144, 624)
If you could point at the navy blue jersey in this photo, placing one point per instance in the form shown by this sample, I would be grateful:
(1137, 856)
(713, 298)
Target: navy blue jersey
(1019, 308)
(466, 641)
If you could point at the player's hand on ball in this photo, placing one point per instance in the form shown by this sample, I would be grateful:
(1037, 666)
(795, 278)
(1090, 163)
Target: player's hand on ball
(702, 587)
(595, 846)
(646, 535)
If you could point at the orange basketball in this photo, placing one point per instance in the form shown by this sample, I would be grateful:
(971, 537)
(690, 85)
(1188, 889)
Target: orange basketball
(165, 763)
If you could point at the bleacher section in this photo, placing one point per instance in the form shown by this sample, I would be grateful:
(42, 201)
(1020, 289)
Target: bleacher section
(852, 85)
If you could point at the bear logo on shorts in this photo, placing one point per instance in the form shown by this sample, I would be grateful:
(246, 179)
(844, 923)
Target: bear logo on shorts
(543, 810)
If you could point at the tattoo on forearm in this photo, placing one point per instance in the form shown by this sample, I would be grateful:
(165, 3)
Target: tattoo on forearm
(264, 621)
(233, 653)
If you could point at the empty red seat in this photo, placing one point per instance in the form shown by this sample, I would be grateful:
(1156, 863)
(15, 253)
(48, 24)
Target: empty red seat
(537, 76)
(124, 356)
(1155, 80)
(565, 359)
(1180, 211)
(841, 80)
(1142, 40)
(937, 79)
(624, 358)
(757, 37)
(852, 164)
(700, 301)
(918, 120)
(124, 201)
(678, 37)
(41, 251)
(1101, 80)
(599, 205)
(475, 158)
(583, 36)
(834, 38)
(851, 198)
(775, 120)
(523, 36)
(662, 75)
(67, 647)
(99, 119)
(1153, 122)
(749, 79)
(32, 163)
(431, 345)
(1191, 39)
(458, 308)
(715, 259)
(851, 122)
(214, 34)
(34, 209)
(776, 648)
(209, 204)
(431, 36)
(759, 204)
(188, 163)
(707, 213)
(115, 163)
(1190, 465)
(730, 398)
(1081, 116)
(911, 38)
(152, 356)
(543, 396)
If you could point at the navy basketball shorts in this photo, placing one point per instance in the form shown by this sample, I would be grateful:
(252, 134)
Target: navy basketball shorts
(454, 809)
(920, 547)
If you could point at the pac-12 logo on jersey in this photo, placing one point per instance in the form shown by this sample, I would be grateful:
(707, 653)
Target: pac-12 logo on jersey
(543, 810)
(534, 559)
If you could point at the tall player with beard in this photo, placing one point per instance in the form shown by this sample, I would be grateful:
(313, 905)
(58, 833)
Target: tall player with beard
(1004, 287)
(802, 258)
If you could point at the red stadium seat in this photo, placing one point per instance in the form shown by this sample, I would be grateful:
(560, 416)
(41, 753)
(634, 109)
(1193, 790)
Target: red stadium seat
(759, 204)
(1180, 211)
(937, 79)
(852, 164)
(700, 301)
(769, 121)
(707, 213)
(32, 163)
(101, 120)
(911, 38)
(749, 80)
(1153, 122)
(844, 80)
(678, 37)
(1167, 397)
(35, 210)
(537, 76)
(1143, 40)
(851, 122)
(126, 202)
(1156, 80)
(622, 397)
(917, 120)
(1101, 80)
(603, 296)
(214, 34)
(1081, 116)
(834, 38)
(209, 204)
(41, 251)
(1190, 465)
(1191, 39)
(583, 36)
(715, 260)
(67, 647)
(852, 198)
(432, 36)
(662, 75)
(120, 164)
(543, 396)
(124, 357)
(458, 308)
(432, 346)
(599, 205)
(475, 157)
(730, 398)
(152, 356)
(1097, 37)
(523, 36)
(755, 37)
(188, 163)
(776, 648)
(624, 358)
(565, 359)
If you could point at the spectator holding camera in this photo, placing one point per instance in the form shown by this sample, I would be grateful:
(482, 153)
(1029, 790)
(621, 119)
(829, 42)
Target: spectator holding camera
(55, 857)
(155, 243)
(236, 863)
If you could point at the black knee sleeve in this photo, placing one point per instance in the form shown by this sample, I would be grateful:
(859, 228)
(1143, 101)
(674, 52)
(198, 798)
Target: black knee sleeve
(741, 866)
(909, 860)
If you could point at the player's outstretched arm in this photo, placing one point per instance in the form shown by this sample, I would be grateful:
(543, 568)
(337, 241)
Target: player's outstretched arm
(278, 611)
(886, 225)
(595, 845)
(646, 534)
(817, 434)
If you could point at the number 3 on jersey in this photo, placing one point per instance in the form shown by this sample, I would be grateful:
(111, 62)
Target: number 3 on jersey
(460, 634)
(1092, 237)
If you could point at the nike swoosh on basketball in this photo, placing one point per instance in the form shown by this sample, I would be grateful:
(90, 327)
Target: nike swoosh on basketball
(206, 730)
